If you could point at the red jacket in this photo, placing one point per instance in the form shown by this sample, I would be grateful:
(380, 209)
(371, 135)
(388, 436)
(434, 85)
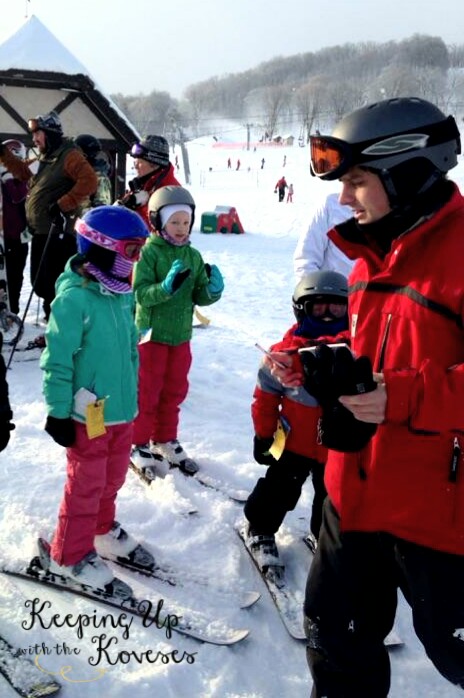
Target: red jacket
(271, 400)
(406, 314)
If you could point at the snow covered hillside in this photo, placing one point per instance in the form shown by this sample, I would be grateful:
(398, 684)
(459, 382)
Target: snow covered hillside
(188, 526)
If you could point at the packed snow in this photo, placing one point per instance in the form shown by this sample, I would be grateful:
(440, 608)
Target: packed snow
(187, 526)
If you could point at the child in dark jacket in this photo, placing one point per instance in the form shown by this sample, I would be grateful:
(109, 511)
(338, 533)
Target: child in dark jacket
(286, 420)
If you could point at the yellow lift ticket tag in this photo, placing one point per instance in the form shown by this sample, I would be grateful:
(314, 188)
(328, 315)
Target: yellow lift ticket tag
(280, 437)
(94, 420)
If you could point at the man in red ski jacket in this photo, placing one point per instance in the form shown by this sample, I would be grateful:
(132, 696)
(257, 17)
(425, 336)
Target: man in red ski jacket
(394, 516)
(151, 161)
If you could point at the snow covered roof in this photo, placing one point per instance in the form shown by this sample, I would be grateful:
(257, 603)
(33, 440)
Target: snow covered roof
(34, 47)
(38, 73)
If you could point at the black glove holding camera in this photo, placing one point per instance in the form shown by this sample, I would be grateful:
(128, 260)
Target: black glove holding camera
(330, 373)
(261, 450)
(63, 431)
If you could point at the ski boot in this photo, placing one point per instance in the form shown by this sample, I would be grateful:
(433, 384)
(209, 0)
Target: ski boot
(120, 546)
(173, 452)
(91, 572)
(263, 549)
(151, 465)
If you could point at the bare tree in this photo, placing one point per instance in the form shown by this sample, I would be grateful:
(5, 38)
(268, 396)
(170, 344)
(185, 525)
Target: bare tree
(273, 100)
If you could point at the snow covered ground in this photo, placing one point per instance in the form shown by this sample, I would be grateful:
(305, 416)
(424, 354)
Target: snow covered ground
(216, 430)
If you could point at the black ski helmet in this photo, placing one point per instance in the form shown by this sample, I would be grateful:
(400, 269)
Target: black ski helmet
(317, 285)
(154, 149)
(90, 146)
(168, 196)
(408, 142)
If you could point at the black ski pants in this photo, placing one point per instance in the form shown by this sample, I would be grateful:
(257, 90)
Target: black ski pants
(16, 255)
(279, 491)
(350, 606)
(52, 264)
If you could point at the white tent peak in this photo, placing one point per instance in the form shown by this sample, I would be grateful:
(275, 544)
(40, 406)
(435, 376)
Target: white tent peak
(34, 47)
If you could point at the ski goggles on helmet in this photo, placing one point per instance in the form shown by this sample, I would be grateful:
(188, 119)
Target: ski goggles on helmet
(330, 157)
(323, 308)
(138, 151)
(130, 249)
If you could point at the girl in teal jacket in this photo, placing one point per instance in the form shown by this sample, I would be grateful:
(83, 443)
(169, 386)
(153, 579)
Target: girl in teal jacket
(90, 368)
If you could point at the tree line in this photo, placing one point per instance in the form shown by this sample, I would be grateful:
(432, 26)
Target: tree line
(311, 90)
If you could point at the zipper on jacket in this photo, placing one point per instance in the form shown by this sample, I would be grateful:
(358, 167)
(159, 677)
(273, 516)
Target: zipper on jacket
(456, 457)
(383, 344)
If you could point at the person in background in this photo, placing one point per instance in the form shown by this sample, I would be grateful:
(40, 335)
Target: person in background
(90, 365)
(13, 213)
(91, 147)
(320, 307)
(394, 515)
(280, 187)
(290, 194)
(6, 415)
(314, 250)
(63, 181)
(169, 280)
(151, 162)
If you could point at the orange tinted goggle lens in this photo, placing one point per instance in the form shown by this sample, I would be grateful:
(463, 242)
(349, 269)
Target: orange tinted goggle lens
(325, 157)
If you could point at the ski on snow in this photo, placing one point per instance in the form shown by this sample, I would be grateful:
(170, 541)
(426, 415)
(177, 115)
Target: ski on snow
(246, 599)
(239, 496)
(27, 680)
(198, 627)
(288, 604)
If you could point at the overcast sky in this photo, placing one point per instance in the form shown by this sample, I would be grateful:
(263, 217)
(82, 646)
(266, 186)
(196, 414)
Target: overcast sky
(133, 46)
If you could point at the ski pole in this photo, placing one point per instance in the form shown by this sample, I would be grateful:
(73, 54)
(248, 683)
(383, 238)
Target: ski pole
(23, 319)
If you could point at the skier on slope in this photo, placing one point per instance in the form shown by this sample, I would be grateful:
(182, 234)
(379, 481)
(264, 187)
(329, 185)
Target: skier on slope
(393, 518)
(169, 280)
(320, 307)
(90, 387)
(154, 170)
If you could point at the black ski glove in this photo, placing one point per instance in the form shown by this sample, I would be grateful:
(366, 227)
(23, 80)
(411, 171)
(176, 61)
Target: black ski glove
(261, 450)
(330, 373)
(63, 431)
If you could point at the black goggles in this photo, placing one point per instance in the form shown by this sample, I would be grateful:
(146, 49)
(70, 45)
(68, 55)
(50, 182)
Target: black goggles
(334, 308)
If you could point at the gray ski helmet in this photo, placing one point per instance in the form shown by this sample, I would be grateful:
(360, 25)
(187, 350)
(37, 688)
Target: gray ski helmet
(154, 149)
(167, 196)
(46, 122)
(90, 146)
(408, 142)
(318, 284)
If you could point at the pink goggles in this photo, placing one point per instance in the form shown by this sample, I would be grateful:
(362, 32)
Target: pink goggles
(130, 249)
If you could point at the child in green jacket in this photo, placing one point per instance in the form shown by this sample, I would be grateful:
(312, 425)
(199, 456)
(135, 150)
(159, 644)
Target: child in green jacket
(169, 280)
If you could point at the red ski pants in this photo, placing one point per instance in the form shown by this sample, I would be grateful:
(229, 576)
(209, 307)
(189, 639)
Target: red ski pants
(163, 386)
(96, 470)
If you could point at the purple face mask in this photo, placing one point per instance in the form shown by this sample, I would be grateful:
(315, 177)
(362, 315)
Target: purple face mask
(115, 280)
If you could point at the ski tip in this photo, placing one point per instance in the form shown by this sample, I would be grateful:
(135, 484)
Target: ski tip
(249, 598)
